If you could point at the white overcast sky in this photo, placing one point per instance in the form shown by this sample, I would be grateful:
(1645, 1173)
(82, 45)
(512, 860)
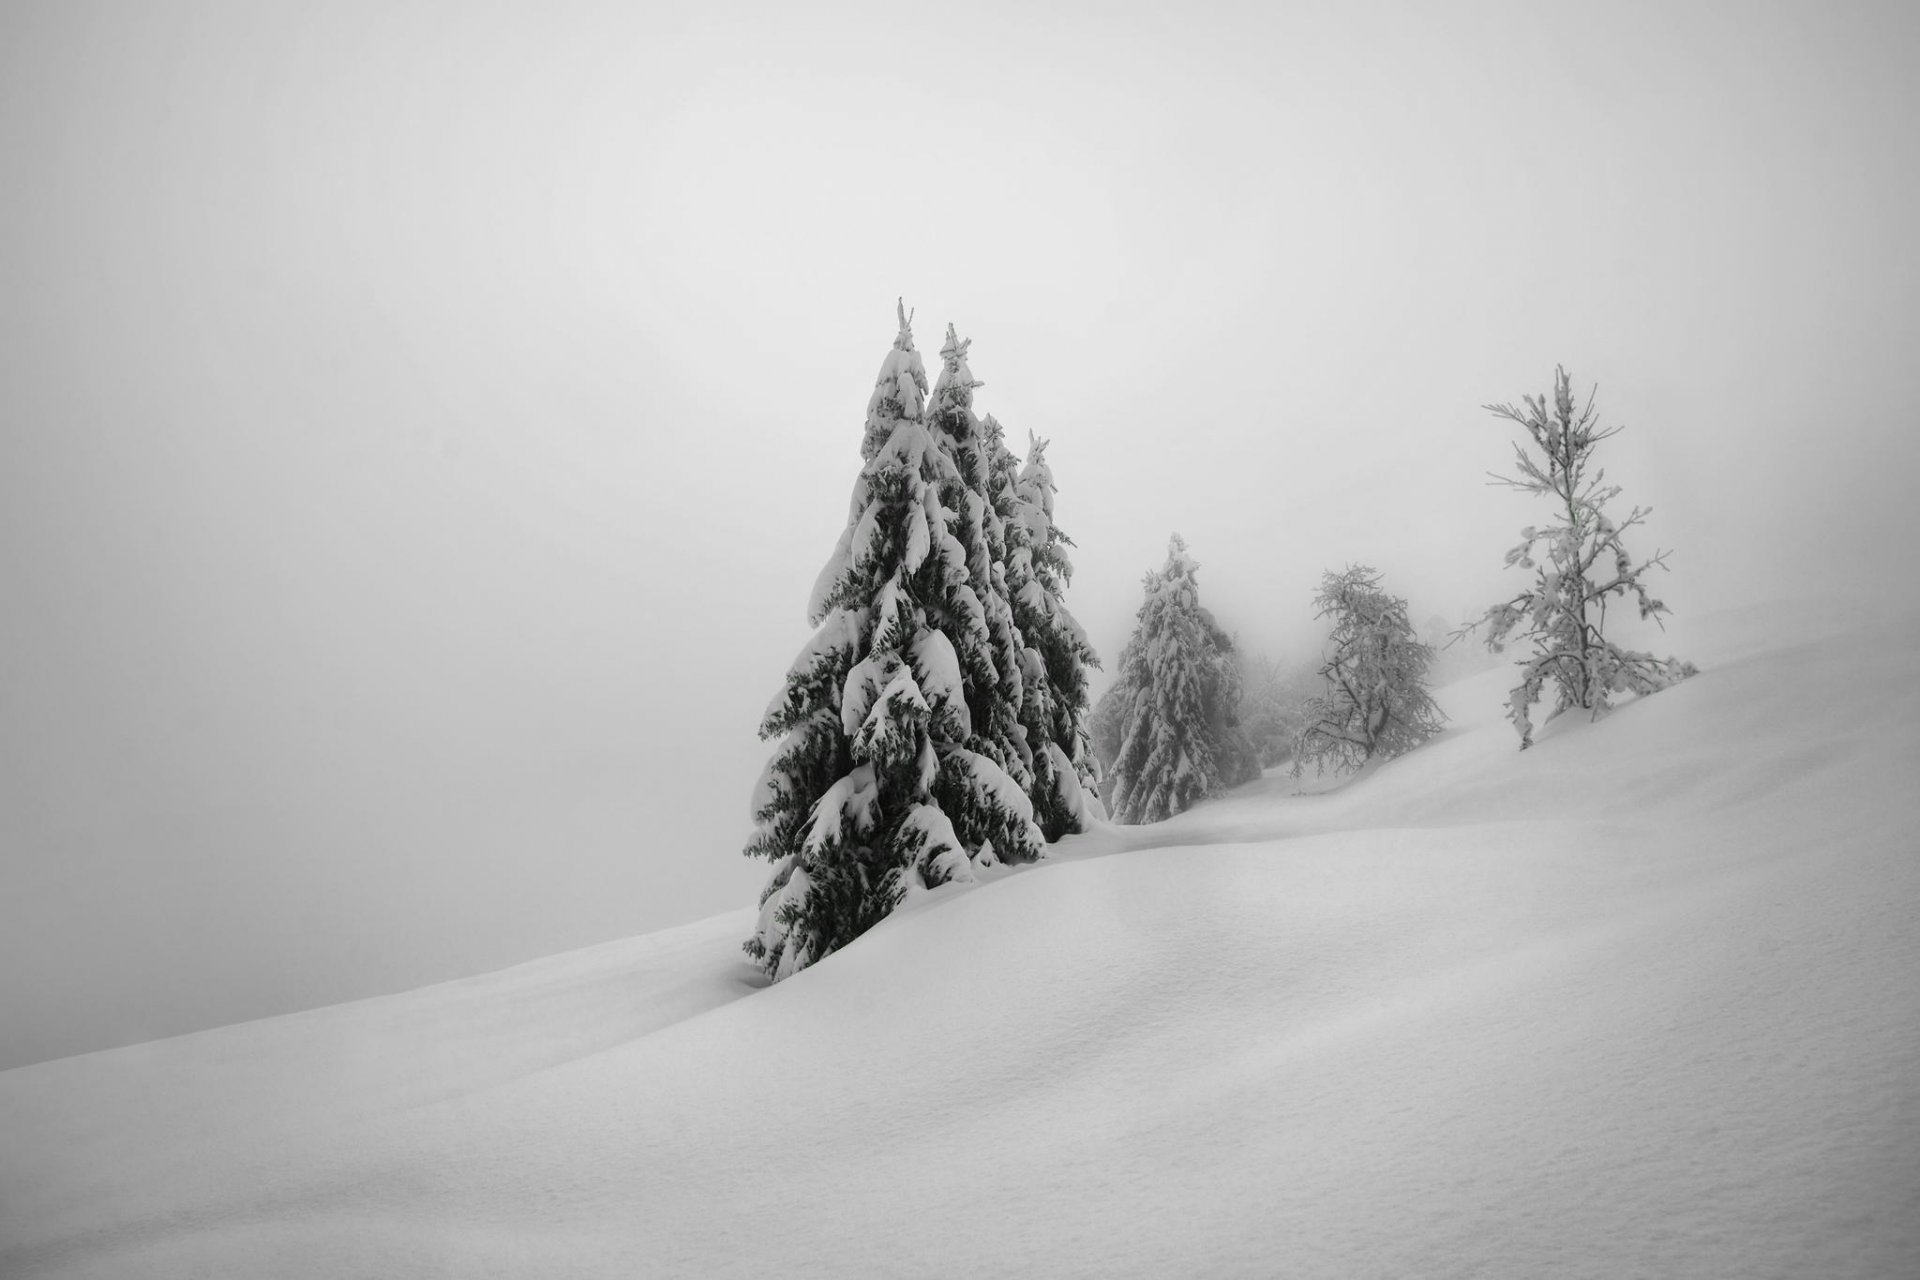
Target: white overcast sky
(420, 424)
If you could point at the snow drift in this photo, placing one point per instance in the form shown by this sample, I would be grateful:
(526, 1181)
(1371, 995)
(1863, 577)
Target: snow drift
(1640, 1001)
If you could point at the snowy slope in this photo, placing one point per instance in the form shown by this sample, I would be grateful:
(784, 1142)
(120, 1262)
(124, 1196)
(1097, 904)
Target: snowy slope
(1644, 1000)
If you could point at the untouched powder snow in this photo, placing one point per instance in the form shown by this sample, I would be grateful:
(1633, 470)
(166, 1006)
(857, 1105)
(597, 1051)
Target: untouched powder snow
(1641, 1001)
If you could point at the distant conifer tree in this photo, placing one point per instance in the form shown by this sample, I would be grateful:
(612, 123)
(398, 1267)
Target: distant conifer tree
(1174, 679)
(1374, 701)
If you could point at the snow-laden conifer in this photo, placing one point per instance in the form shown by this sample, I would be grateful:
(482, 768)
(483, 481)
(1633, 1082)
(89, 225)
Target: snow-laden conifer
(856, 807)
(1056, 656)
(1579, 563)
(983, 629)
(1374, 701)
(1175, 681)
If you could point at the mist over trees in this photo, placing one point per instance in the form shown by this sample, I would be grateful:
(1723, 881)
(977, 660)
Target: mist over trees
(1274, 700)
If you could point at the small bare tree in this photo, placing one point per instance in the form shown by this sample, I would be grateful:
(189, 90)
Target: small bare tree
(1375, 701)
(1579, 564)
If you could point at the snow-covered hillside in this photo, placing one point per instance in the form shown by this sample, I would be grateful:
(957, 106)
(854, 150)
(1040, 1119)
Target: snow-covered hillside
(1644, 1000)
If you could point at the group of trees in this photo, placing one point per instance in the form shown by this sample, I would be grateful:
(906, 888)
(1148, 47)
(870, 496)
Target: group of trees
(1170, 740)
(1180, 724)
(936, 721)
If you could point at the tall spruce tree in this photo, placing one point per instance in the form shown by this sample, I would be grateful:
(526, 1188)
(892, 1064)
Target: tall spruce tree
(1173, 681)
(1374, 700)
(860, 802)
(991, 668)
(1066, 785)
(1579, 564)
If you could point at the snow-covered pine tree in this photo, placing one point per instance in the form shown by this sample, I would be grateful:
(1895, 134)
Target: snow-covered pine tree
(1066, 783)
(855, 808)
(1563, 613)
(983, 629)
(1172, 681)
(1375, 700)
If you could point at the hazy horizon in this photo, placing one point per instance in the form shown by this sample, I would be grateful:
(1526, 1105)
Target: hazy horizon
(420, 426)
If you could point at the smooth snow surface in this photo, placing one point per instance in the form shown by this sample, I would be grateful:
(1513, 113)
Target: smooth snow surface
(1641, 1001)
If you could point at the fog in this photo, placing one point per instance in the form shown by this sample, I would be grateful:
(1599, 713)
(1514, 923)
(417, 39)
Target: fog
(420, 425)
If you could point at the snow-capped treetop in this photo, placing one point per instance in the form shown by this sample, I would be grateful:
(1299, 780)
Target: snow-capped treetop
(1177, 575)
(899, 391)
(1036, 489)
(954, 388)
(1036, 476)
